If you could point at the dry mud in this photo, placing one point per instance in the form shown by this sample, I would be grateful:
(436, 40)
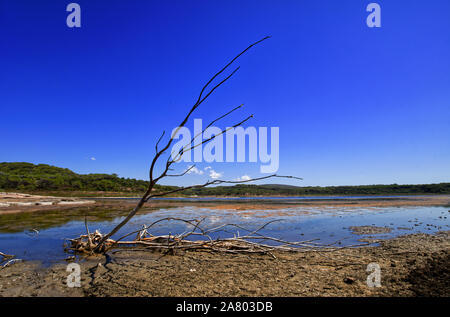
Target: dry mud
(412, 265)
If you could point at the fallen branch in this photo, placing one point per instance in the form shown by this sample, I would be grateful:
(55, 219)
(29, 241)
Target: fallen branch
(10, 262)
(252, 242)
(4, 255)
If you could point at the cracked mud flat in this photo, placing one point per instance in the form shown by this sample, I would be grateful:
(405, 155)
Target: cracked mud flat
(412, 265)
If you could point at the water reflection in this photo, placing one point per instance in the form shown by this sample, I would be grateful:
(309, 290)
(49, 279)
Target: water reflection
(329, 224)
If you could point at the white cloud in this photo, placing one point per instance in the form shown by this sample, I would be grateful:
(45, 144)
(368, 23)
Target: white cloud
(244, 178)
(92, 158)
(214, 175)
(194, 170)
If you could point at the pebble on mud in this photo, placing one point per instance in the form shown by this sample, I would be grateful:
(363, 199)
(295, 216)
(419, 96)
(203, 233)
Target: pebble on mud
(349, 280)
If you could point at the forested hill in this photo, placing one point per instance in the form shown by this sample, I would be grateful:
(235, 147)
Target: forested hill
(43, 177)
(40, 178)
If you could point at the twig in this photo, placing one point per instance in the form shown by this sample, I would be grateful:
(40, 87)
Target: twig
(11, 262)
(5, 255)
(87, 230)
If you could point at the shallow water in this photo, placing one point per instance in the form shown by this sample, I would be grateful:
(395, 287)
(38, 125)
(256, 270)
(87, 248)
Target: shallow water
(327, 224)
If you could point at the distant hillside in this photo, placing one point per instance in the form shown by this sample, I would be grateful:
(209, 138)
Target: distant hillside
(287, 190)
(30, 177)
(284, 190)
(43, 177)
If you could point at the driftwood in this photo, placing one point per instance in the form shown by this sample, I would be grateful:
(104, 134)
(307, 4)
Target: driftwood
(5, 255)
(8, 259)
(251, 242)
(8, 263)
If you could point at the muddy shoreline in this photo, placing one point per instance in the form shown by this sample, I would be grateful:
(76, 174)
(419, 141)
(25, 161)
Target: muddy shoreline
(411, 265)
(124, 204)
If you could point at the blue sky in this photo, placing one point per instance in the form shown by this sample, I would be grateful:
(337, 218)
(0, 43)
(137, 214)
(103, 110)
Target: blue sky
(354, 105)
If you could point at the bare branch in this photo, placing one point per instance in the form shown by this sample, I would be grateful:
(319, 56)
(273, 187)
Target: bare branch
(6, 255)
(182, 174)
(218, 134)
(231, 62)
(199, 101)
(217, 182)
(87, 231)
(183, 150)
(159, 140)
(214, 121)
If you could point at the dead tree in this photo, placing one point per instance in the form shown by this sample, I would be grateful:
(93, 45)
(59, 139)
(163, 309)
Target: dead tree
(205, 92)
(251, 242)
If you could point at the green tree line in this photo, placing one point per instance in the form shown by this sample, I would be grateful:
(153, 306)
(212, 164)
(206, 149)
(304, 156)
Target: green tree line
(283, 190)
(42, 177)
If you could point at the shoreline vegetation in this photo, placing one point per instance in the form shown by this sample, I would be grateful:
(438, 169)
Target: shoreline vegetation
(47, 180)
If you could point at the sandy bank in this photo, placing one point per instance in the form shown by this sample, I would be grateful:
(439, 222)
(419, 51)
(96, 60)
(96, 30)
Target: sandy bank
(17, 202)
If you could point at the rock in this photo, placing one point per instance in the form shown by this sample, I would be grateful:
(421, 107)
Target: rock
(349, 280)
(81, 202)
(44, 203)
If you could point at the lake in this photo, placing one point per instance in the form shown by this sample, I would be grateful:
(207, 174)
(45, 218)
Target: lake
(328, 224)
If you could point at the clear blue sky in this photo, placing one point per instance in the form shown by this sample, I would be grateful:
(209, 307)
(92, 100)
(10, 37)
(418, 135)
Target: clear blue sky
(354, 105)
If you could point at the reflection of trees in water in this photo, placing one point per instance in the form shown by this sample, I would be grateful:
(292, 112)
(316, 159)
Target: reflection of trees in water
(23, 221)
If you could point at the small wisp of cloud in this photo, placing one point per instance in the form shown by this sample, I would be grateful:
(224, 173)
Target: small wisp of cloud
(194, 170)
(212, 173)
(215, 175)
